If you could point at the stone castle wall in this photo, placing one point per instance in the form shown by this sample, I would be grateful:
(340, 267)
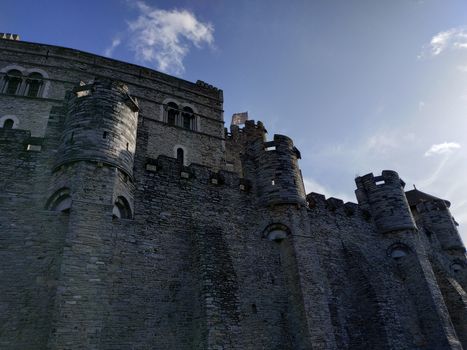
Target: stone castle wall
(102, 249)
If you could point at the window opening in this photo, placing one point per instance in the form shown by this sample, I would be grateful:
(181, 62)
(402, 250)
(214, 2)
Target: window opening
(180, 156)
(121, 209)
(60, 201)
(456, 267)
(8, 124)
(33, 84)
(172, 113)
(13, 81)
(188, 118)
(396, 254)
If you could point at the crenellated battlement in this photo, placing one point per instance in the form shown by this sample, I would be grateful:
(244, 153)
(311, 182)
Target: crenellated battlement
(251, 131)
(196, 174)
(332, 204)
(211, 89)
(369, 182)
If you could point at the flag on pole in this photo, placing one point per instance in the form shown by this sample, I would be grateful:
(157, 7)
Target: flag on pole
(239, 118)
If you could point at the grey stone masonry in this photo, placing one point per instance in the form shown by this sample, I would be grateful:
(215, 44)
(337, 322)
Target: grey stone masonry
(124, 227)
(384, 197)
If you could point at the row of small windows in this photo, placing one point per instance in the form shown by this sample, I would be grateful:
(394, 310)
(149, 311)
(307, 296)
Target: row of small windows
(14, 83)
(184, 118)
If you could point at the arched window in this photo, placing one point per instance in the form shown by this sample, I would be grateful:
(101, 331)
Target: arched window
(34, 84)
(180, 156)
(276, 232)
(172, 113)
(188, 118)
(121, 209)
(8, 124)
(60, 201)
(12, 82)
(397, 251)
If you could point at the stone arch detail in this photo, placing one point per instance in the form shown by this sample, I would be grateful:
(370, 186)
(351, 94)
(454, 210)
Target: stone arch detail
(12, 117)
(197, 122)
(276, 232)
(122, 208)
(163, 114)
(25, 73)
(185, 153)
(45, 89)
(60, 201)
(14, 67)
(398, 250)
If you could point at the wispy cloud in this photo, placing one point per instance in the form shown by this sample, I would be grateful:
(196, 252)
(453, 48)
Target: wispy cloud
(387, 141)
(115, 43)
(164, 38)
(421, 105)
(454, 38)
(442, 148)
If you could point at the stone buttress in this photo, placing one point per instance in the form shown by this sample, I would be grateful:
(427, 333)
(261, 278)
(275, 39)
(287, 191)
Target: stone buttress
(276, 182)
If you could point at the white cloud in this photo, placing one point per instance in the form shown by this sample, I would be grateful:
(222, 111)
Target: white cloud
(164, 37)
(442, 148)
(454, 38)
(115, 43)
(462, 68)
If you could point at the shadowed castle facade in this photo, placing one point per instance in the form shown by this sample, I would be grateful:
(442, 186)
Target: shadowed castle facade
(130, 218)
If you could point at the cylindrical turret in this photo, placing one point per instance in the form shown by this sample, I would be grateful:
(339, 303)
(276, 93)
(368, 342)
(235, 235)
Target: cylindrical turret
(437, 218)
(384, 197)
(100, 126)
(278, 178)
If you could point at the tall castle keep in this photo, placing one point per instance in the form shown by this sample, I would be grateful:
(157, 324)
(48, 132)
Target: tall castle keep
(131, 219)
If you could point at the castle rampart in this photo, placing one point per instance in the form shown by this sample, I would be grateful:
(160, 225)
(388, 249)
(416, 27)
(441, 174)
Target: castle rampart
(130, 218)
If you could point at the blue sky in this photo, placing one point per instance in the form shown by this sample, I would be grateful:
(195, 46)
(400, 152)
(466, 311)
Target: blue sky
(360, 86)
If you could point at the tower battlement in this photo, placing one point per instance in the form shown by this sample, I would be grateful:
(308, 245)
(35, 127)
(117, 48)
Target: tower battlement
(100, 125)
(384, 197)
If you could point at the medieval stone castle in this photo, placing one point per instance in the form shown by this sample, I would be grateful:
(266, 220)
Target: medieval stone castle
(130, 218)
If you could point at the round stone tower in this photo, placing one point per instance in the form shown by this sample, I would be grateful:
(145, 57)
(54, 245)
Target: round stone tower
(436, 217)
(100, 126)
(383, 196)
(278, 178)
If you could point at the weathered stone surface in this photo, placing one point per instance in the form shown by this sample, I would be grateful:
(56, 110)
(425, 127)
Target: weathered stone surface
(109, 241)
